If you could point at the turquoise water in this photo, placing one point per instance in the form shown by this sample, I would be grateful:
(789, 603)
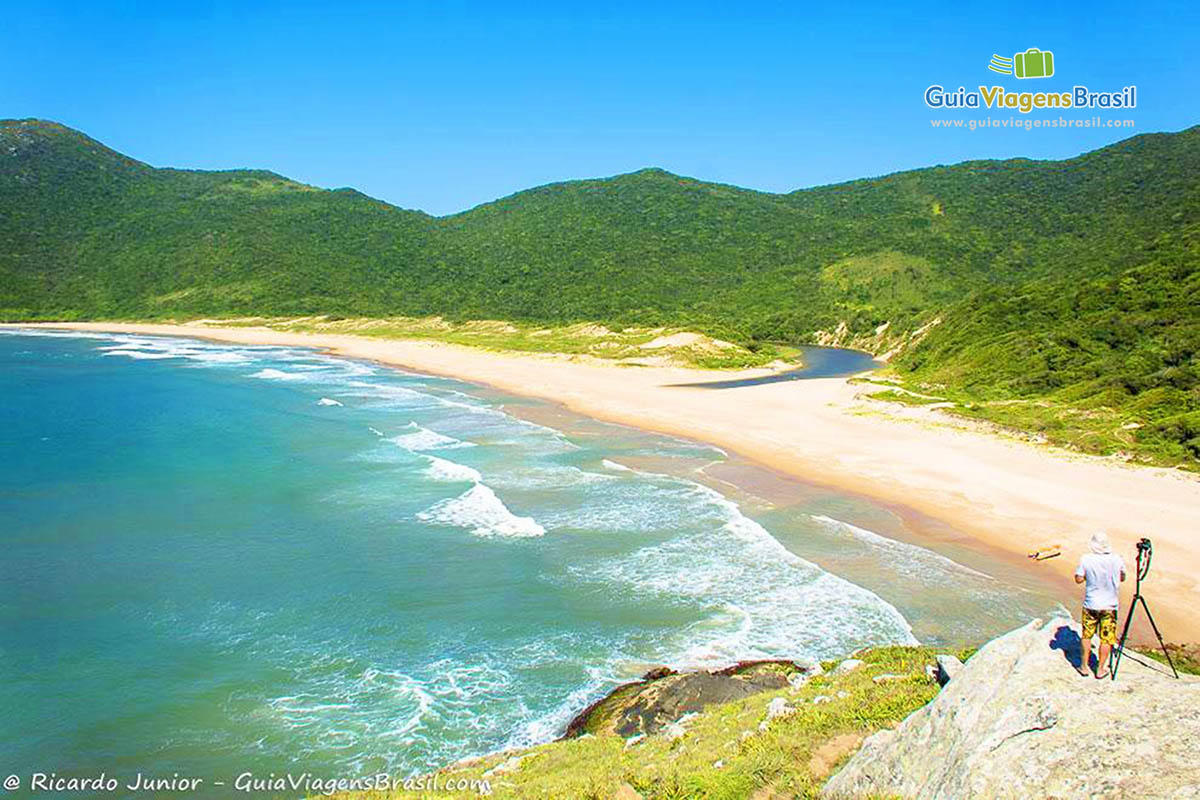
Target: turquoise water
(221, 559)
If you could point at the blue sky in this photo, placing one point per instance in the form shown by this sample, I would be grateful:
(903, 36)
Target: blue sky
(442, 106)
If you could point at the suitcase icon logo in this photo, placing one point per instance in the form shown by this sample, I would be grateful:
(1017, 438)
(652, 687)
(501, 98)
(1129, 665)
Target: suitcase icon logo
(1033, 63)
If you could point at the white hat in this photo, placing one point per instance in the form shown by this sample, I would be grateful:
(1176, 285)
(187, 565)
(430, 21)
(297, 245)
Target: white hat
(1099, 543)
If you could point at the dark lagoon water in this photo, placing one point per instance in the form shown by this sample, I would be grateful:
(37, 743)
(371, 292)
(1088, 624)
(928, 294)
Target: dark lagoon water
(221, 559)
(819, 362)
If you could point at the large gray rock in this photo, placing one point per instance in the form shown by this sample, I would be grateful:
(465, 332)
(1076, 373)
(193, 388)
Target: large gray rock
(1019, 722)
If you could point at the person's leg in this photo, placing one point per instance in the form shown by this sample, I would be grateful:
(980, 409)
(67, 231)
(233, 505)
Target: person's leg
(1108, 637)
(1085, 643)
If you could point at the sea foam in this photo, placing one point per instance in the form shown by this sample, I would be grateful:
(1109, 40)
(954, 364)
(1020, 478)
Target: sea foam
(766, 601)
(218, 356)
(917, 558)
(481, 512)
(442, 469)
(162, 348)
(420, 438)
(272, 374)
(140, 354)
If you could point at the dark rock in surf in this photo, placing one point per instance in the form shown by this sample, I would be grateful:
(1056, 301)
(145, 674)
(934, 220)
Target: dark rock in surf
(648, 706)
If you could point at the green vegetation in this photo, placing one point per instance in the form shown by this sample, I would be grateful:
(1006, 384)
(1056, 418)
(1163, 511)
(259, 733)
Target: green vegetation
(629, 346)
(1066, 291)
(723, 753)
(1185, 657)
(905, 397)
(1105, 365)
(900, 281)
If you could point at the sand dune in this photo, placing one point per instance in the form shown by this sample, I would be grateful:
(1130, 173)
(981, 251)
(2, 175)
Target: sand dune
(1006, 495)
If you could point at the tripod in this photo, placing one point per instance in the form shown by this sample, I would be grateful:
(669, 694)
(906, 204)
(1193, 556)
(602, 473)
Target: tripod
(1144, 553)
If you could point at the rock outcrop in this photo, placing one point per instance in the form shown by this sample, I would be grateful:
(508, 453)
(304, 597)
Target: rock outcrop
(663, 699)
(947, 668)
(1017, 721)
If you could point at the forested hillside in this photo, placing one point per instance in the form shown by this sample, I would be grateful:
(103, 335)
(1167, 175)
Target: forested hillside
(1104, 365)
(1074, 279)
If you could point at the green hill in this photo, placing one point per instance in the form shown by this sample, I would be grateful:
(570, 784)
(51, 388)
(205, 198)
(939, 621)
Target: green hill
(1072, 281)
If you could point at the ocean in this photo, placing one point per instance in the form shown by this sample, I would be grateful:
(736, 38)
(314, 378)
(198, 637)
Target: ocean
(221, 559)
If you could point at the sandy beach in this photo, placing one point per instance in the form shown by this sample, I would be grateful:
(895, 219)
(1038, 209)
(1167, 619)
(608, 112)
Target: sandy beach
(1005, 494)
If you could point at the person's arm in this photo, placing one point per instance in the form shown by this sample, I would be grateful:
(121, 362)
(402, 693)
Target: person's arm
(1122, 570)
(1079, 573)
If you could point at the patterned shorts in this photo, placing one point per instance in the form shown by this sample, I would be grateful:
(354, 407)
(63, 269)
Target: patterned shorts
(1106, 621)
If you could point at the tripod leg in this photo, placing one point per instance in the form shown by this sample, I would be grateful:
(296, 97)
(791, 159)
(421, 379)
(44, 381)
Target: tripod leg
(1161, 643)
(1119, 650)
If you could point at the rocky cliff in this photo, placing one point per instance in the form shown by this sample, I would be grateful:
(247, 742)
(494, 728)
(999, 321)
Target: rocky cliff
(1018, 721)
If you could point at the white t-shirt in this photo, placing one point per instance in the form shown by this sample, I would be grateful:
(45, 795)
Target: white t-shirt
(1102, 579)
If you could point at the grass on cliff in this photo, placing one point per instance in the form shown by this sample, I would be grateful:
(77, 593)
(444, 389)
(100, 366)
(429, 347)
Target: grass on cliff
(723, 754)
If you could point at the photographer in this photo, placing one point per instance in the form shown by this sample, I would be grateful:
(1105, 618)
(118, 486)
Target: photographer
(1102, 571)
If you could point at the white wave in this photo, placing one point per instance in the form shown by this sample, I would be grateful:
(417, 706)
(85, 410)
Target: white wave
(422, 438)
(458, 686)
(918, 556)
(271, 374)
(387, 396)
(327, 401)
(481, 512)
(553, 476)
(376, 431)
(126, 344)
(303, 367)
(141, 354)
(647, 506)
(218, 356)
(550, 726)
(614, 466)
(55, 333)
(162, 348)
(765, 601)
(342, 699)
(441, 469)
(157, 347)
(416, 717)
(405, 396)
(342, 368)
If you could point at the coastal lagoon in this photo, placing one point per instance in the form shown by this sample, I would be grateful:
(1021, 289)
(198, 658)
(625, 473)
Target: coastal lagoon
(223, 558)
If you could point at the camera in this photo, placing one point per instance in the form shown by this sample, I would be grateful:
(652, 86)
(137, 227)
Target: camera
(1144, 553)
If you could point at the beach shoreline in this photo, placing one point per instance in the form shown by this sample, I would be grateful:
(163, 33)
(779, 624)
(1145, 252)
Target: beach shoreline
(1007, 497)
